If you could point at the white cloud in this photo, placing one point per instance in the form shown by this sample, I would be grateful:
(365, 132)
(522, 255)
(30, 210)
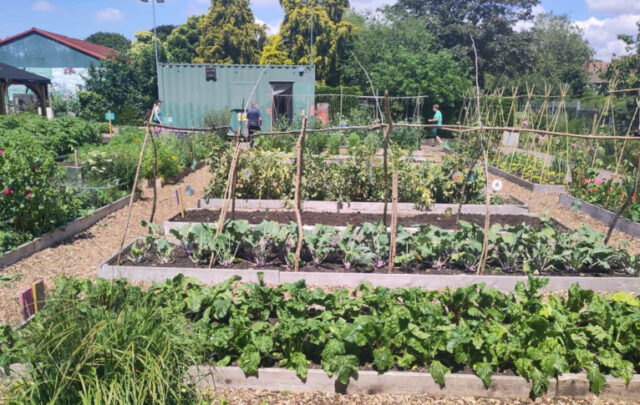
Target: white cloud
(527, 25)
(109, 15)
(42, 6)
(371, 5)
(272, 27)
(602, 34)
(614, 6)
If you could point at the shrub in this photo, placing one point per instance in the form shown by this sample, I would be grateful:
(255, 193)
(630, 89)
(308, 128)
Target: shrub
(33, 199)
(353, 142)
(334, 143)
(316, 143)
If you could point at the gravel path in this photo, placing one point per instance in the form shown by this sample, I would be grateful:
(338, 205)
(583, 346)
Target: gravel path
(547, 204)
(250, 397)
(80, 255)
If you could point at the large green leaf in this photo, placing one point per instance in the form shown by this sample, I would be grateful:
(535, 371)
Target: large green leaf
(484, 371)
(438, 371)
(383, 359)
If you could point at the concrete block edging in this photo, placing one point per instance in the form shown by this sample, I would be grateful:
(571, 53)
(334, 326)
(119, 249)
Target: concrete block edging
(600, 214)
(407, 382)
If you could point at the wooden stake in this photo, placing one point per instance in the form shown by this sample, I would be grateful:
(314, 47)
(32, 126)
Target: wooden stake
(298, 188)
(227, 193)
(75, 157)
(394, 220)
(155, 179)
(180, 203)
(385, 148)
(110, 129)
(133, 192)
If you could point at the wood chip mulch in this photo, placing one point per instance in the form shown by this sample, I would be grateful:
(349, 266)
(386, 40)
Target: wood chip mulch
(80, 256)
(263, 397)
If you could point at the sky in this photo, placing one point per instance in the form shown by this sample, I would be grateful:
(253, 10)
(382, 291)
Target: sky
(601, 20)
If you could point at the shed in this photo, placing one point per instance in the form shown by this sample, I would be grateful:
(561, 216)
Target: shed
(62, 59)
(190, 91)
(12, 75)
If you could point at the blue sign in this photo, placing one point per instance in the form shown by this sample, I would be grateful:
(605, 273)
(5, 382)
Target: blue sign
(109, 116)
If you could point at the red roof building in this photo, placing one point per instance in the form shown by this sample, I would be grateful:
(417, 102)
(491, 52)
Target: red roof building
(91, 49)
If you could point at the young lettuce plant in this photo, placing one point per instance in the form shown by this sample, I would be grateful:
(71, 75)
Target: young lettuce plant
(377, 238)
(262, 242)
(434, 246)
(353, 252)
(138, 251)
(468, 246)
(165, 250)
(507, 246)
(321, 243)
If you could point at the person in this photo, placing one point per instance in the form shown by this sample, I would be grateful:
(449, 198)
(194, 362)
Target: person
(254, 119)
(156, 114)
(437, 118)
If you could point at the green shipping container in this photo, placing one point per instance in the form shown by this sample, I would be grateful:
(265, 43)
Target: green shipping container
(190, 91)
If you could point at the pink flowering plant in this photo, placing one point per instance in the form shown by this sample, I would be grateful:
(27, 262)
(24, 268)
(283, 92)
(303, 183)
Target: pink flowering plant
(33, 198)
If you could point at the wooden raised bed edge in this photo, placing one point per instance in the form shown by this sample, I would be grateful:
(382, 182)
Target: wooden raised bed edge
(63, 232)
(408, 382)
(276, 276)
(601, 214)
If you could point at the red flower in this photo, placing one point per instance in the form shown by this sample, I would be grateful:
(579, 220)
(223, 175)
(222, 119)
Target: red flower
(1, 152)
(8, 191)
(27, 193)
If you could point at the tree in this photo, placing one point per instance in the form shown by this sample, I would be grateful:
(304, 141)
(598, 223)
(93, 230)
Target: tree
(116, 81)
(560, 51)
(143, 53)
(332, 35)
(401, 56)
(163, 31)
(490, 22)
(182, 42)
(230, 34)
(626, 68)
(274, 52)
(110, 39)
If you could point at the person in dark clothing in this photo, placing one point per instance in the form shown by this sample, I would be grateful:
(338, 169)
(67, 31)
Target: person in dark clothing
(254, 121)
(254, 118)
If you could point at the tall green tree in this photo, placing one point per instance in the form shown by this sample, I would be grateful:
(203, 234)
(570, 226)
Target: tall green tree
(230, 34)
(111, 39)
(491, 23)
(402, 56)
(274, 52)
(116, 81)
(163, 31)
(182, 42)
(332, 35)
(560, 51)
(143, 53)
(626, 68)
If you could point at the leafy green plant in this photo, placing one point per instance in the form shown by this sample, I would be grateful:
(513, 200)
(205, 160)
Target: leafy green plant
(334, 143)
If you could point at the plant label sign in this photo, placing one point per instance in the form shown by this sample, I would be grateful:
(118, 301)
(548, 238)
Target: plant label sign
(32, 299)
(109, 116)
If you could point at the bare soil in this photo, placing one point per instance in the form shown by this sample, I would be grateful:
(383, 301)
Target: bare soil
(358, 218)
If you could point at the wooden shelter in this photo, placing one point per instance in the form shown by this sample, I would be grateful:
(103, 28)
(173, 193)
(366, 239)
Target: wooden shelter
(37, 84)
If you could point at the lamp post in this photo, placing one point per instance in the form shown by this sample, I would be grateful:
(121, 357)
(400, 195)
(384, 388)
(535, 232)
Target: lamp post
(155, 40)
(309, 2)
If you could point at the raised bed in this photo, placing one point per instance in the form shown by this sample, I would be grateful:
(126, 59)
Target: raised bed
(61, 233)
(109, 270)
(366, 207)
(408, 382)
(600, 214)
(535, 187)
